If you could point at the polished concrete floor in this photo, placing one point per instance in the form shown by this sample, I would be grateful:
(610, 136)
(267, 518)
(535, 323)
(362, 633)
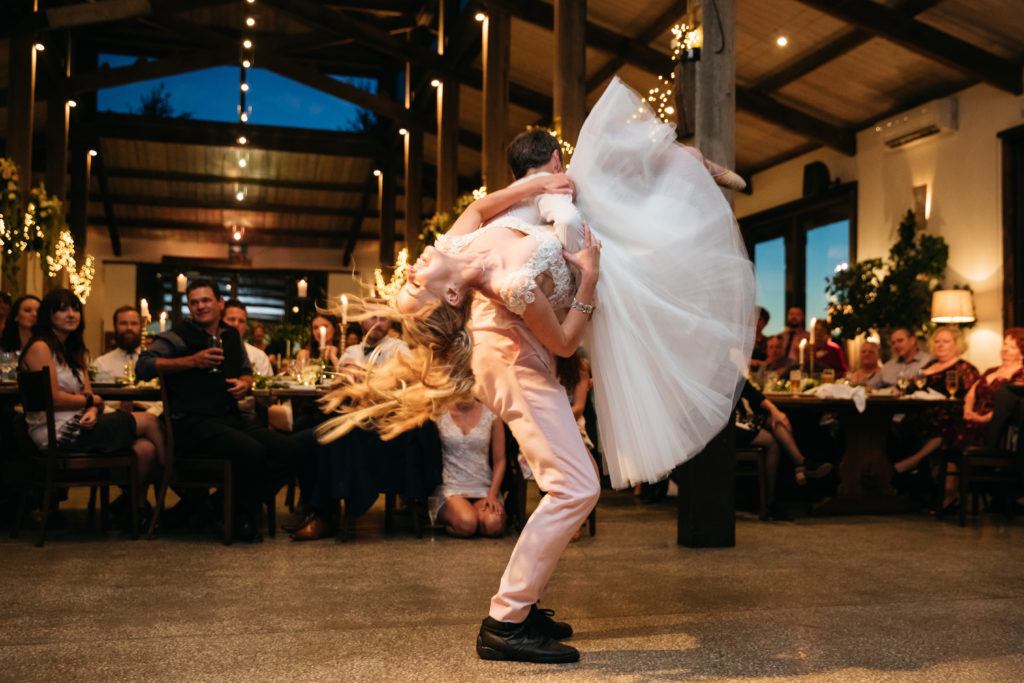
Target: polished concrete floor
(902, 598)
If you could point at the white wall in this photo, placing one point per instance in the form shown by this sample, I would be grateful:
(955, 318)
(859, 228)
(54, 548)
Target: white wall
(963, 172)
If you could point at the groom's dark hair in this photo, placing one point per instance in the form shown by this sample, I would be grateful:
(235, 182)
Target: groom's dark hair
(530, 149)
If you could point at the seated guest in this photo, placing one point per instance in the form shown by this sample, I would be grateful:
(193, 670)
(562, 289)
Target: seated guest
(827, 353)
(869, 365)
(760, 423)
(353, 335)
(236, 316)
(314, 348)
(81, 425)
(20, 320)
(907, 359)
(760, 341)
(473, 452)
(794, 332)
(375, 335)
(938, 427)
(127, 345)
(776, 365)
(258, 337)
(978, 399)
(207, 370)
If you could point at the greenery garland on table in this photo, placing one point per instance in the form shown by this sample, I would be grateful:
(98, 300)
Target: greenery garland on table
(876, 295)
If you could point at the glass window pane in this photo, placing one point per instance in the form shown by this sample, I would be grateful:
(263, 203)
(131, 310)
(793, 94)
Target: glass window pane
(770, 264)
(827, 247)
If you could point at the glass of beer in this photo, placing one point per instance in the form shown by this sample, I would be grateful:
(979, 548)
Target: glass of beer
(952, 382)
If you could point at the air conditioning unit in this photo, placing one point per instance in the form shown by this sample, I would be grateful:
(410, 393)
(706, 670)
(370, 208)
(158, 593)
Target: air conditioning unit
(938, 117)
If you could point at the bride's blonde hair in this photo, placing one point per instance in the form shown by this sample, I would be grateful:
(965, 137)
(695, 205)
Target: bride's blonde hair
(393, 395)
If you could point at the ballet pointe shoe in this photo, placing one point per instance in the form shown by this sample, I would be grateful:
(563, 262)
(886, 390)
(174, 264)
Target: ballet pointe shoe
(725, 177)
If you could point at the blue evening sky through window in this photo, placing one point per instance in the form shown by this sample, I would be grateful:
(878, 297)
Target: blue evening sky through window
(212, 95)
(827, 247)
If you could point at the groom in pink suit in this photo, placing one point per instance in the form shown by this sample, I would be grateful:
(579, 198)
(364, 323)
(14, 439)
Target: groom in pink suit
(515, 378)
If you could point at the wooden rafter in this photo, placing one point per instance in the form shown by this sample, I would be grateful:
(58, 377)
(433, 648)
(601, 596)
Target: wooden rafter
(229, 204)
(254, 235)
(213, 179)
(759, 104)
(145, 71)
(664, 22)
(108, 206)
(187, 131)
(897, 27)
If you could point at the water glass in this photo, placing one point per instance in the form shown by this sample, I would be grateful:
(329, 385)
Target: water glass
(8, 361)
(216, 343)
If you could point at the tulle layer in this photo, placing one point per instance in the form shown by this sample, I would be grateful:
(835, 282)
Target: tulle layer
(672, 333)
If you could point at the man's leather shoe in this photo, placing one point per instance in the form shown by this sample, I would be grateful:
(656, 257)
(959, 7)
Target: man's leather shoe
(541, 621)
(503, 640)
(316, 528)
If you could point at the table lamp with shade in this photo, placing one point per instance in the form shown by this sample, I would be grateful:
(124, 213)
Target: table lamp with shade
(952, 306)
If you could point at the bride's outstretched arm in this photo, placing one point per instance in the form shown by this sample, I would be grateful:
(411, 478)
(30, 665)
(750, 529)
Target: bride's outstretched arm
(494, 203)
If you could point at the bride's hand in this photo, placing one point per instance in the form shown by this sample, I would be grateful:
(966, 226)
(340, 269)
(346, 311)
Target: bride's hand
(587, 259)
(556, 183)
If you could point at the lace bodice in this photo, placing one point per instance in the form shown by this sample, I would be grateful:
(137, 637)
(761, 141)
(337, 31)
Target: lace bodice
(519, 288)
(467, 461)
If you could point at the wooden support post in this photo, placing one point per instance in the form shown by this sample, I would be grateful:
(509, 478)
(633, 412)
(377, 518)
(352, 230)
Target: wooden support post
(413, 158)
(496, 55)
(447, 115)
(57, 115)
(570, 74)
(707, 493)
(20, 110)
(386, 211)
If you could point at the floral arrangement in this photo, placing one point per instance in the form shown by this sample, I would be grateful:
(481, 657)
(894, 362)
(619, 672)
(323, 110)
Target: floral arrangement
(43, 223)
(389, 290)
(13, 240)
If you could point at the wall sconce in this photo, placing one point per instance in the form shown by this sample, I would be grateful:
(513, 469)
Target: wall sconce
(952, 306)
(922, 206)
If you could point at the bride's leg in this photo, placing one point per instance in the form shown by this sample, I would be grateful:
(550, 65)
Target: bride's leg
(721, 174)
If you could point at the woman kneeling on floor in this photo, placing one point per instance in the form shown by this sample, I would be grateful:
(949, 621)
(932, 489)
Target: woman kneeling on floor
(473, 446)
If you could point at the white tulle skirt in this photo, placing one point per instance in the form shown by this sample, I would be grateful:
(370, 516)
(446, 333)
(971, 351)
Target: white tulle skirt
(671, 337)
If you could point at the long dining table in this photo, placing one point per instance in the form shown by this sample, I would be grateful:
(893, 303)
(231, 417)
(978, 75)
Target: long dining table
(865, 471)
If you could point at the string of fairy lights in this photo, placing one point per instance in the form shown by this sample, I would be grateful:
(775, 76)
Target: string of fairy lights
(246, 59)
(686, 40)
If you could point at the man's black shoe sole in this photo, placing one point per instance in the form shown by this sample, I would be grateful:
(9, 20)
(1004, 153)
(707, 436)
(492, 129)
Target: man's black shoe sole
(490, 653)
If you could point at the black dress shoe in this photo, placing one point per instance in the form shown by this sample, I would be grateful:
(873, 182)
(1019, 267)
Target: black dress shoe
(541, 621)
(503, 640)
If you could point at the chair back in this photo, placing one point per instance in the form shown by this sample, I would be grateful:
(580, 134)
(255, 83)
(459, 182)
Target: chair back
(166, 417)
(1004, 429)
(37, 396)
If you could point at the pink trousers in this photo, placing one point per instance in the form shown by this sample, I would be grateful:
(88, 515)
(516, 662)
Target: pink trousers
(515, 378)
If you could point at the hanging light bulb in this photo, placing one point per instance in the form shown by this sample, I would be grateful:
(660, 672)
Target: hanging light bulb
(247, 44)
(72, 104)
(242, 140)
(242, 163)
(245, 87)
(246, 63)
(249, 21)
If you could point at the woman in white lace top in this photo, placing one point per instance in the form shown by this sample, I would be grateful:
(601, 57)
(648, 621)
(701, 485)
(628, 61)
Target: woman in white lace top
(473, 447)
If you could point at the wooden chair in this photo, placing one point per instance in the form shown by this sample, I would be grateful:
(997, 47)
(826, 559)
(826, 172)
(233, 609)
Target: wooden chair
(753, 460)
(52, 467)
(995, 463)
(200, 473)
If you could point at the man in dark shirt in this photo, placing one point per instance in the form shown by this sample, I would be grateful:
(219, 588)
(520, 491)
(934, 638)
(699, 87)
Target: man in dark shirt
(207, 371)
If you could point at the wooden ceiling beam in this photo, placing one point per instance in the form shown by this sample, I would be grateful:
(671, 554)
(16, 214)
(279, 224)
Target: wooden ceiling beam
(760, 104)
(81, 15)
(356, 227)
(895, 26)
(631, 50)
(213, 179)
(229, 204)
(664, 22)
(276, 236)
(835, 47)
(272, 138)
(146, 71)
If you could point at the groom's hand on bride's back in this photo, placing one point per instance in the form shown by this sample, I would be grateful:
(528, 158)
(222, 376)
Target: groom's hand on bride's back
(556, 183)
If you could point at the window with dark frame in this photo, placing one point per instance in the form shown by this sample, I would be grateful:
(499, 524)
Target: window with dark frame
(796, 245)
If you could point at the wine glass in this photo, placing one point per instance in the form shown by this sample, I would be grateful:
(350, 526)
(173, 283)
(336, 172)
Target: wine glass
(216, 343)
(434, 505)
(8, 360)
(920, 380)
(903, 383)
(952, 382)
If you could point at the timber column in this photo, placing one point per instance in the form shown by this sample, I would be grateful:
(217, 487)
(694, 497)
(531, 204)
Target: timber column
(496, 55)
(570, 75)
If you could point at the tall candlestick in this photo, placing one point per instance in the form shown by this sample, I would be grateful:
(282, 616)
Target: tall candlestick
(344, 312)
(163, 321)
(302, 288)
(182, 282)
(323, 337)
(143, 309)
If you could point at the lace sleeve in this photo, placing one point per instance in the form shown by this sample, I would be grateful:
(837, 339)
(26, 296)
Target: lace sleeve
(519, 292)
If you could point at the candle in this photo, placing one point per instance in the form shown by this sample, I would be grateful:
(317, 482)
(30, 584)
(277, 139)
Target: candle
(344, 311)
(323, 337)
(182, 282)
(803, 344)
(814, 321)
(302, 288)
(163, 321)
(143, 309)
